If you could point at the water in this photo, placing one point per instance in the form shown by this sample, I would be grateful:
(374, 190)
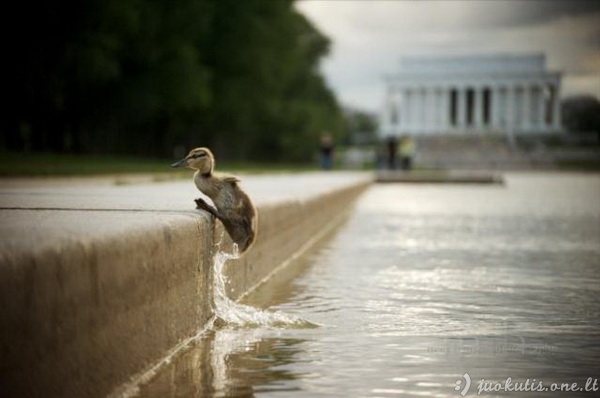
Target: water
(232, 315)
(422, 285)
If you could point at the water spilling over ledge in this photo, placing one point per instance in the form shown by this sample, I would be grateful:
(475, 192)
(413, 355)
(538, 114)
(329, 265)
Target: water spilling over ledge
(233, 315)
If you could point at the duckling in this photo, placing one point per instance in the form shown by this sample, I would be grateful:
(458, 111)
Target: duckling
(233, 206)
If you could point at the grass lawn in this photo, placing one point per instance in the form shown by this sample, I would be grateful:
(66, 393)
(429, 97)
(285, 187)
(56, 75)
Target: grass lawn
(47, 164)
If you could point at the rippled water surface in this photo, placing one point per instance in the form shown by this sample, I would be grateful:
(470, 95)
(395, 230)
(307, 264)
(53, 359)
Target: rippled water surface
(422, 284)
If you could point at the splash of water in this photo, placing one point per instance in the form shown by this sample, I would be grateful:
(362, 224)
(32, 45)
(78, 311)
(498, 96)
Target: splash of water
(235, 315)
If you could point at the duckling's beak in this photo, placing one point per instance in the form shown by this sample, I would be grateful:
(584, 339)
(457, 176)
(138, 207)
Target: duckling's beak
(181, 163)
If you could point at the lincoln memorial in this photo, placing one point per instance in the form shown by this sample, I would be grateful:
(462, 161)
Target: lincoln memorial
(477, 94)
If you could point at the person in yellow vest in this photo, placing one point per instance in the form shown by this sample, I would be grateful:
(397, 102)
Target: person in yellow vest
(407, 151)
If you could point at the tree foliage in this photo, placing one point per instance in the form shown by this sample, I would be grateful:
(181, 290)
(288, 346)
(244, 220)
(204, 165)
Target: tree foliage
(362, 126)
(581, 114)
(144, 76)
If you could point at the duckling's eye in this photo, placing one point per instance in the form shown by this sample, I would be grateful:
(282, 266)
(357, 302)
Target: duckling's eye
(198, 155)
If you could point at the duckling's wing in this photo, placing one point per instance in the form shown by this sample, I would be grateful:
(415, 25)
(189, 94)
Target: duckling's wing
(230, 179)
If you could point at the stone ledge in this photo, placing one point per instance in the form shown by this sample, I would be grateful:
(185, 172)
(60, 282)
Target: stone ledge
(97, 290)
(439, 177)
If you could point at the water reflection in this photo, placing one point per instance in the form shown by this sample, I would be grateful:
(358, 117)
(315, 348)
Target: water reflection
(228, 363)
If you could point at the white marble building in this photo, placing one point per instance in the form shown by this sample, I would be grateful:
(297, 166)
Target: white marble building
(478, 94)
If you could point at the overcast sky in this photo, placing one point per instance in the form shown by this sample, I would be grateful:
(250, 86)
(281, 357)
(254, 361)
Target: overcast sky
(370, 36)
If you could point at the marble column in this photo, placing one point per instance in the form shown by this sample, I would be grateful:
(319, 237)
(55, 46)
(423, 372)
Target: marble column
(403, 108)
(426, 119)
(406, 107)
(434, 123)
(478, 107)
(397, 109)
(414, 105)
(413, 108)
(434, 113)
(510, 107)
(495, 107)
(445, 109)
(424, 110)
(526, 111)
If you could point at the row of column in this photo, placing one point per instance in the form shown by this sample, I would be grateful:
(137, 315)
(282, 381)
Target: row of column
(507, 108)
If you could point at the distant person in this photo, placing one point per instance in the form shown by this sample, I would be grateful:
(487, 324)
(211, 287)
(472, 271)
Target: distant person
(391, 152)
(407, 153)
(381, 157)
(326, 151)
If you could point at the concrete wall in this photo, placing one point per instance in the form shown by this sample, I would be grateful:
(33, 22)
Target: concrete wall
(284, 228)
(91, 297)
(78, 318)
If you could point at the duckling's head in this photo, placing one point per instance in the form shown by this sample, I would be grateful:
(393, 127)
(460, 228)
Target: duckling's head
(200, 159)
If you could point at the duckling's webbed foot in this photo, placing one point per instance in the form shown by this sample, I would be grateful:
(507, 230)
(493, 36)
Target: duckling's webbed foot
(202, 205)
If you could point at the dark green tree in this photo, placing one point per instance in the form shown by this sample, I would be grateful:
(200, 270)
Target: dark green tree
(143, 76)
(581, 114)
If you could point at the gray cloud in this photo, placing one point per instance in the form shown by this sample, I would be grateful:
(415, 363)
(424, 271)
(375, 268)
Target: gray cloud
(536, 12)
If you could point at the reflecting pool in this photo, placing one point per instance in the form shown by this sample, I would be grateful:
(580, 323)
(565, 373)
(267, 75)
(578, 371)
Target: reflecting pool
(423, 284)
